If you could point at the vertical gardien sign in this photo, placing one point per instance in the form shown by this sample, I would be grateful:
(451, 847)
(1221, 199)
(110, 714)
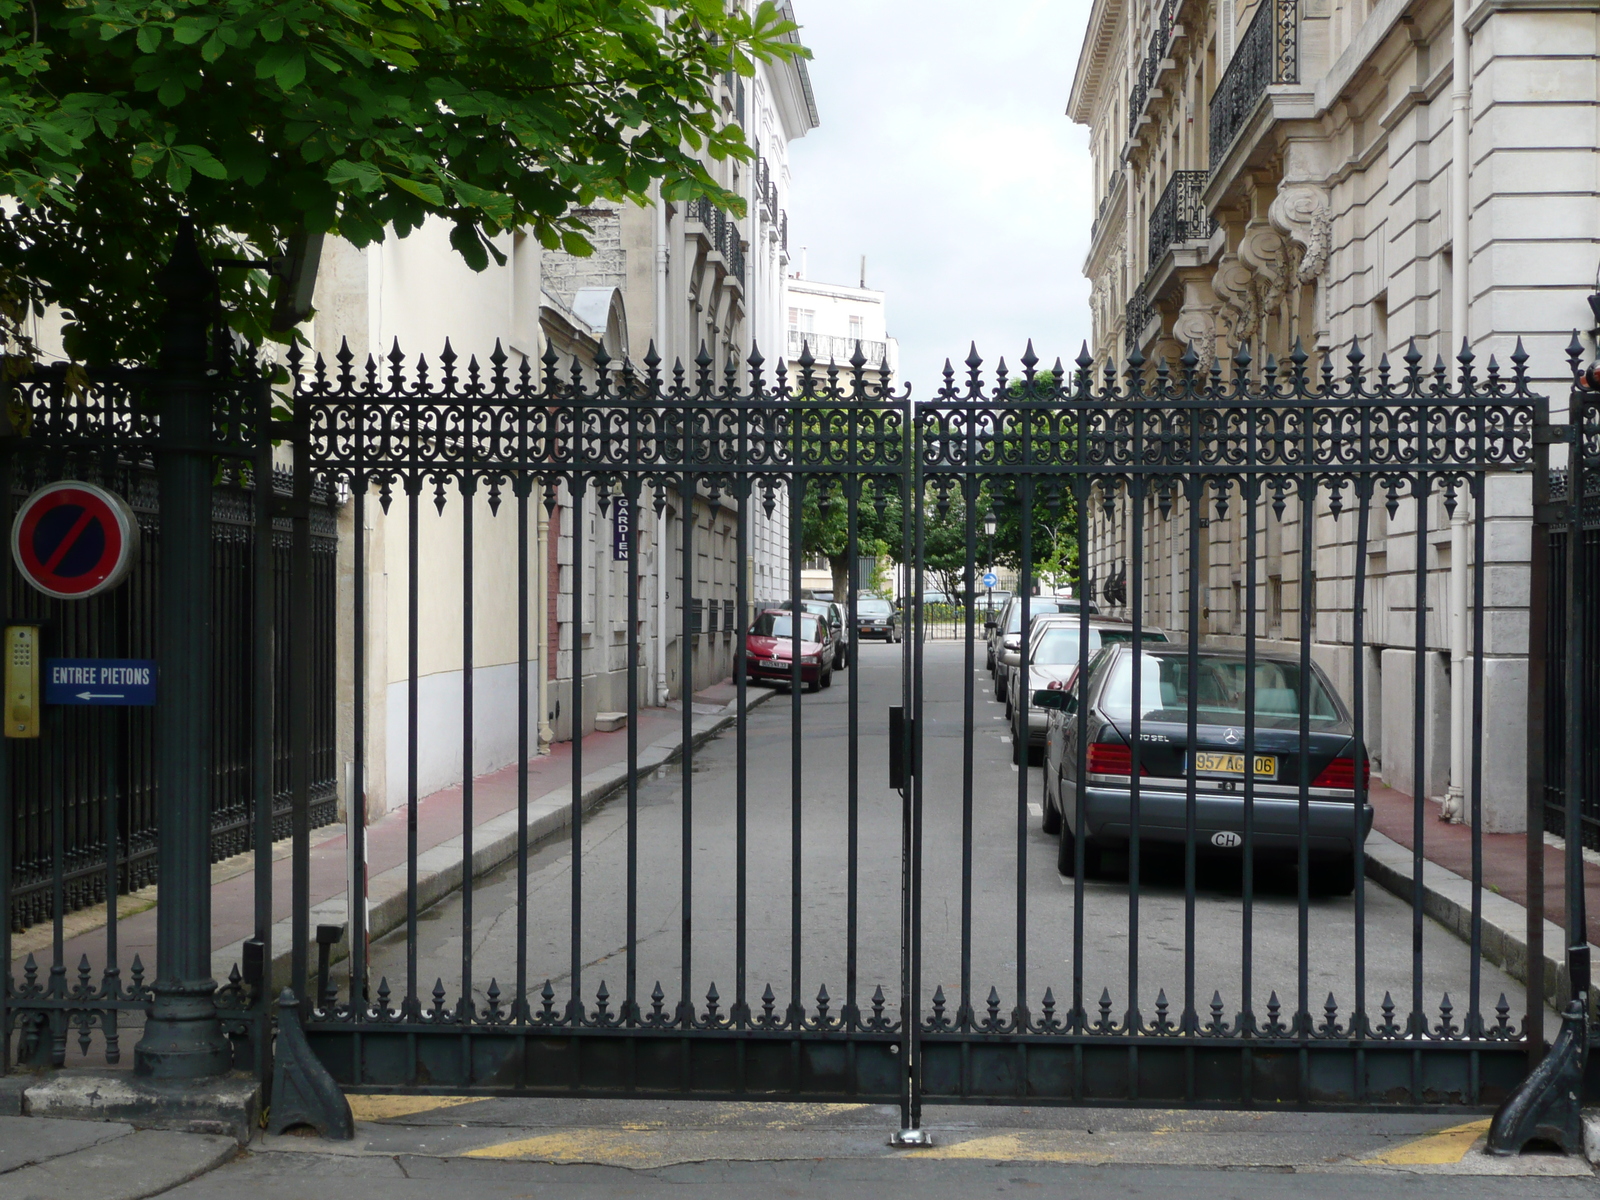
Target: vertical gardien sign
(621, 528)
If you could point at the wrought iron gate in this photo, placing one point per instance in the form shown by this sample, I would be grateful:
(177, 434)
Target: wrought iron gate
(918, 1009)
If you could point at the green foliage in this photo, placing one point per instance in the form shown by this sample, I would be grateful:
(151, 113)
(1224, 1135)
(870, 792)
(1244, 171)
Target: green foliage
(1054, 545)
(824, 529)
(263, 118)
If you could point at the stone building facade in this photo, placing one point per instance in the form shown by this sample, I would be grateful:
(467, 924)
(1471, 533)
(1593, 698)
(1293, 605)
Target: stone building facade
(673, 275)
(1326, 171)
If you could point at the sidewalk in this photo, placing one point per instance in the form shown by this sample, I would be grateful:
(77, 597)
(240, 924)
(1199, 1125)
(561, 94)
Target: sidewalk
(440, 845)
(101, 1160)
(1447, 886)
(419, 1147)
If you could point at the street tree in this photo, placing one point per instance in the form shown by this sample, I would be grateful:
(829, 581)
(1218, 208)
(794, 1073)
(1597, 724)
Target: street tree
(1052, 517)
(825, 530)
(272, 122)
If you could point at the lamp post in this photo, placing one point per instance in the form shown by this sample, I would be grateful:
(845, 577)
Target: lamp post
(182, 1037)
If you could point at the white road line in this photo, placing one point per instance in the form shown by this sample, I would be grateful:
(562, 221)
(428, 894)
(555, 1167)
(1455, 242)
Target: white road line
(1035, 809)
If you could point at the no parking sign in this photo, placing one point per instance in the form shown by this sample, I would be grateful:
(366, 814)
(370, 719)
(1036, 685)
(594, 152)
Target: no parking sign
(73, 540)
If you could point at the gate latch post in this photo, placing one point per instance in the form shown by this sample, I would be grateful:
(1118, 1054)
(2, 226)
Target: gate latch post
(899, 726)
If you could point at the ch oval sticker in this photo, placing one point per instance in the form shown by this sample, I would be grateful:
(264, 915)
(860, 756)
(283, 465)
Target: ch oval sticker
(1227, 839)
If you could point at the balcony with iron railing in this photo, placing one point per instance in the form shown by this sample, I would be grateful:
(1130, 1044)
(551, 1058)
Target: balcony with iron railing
(1111, 205)
(766, 188)
(1149, 75)
(1267, 54)
(826, 348)
(722, 232)
(1180, 215)
(1136, 318)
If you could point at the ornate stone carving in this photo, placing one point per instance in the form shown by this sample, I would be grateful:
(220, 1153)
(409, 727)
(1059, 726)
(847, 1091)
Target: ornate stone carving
(1234, 284)
(1300, 212)
(1197, 326)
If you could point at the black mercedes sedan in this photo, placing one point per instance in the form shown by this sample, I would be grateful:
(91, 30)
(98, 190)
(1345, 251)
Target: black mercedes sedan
(1285, 766)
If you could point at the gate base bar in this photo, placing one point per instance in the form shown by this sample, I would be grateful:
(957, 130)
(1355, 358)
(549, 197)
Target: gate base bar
(665, 1063)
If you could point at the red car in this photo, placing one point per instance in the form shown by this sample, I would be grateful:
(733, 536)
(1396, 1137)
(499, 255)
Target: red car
(770, 642)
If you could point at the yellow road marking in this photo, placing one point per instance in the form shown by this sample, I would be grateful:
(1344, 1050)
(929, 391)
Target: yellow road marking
(1002, 1147)
(1445, 1146)
(575, 1145)
(382, 1108)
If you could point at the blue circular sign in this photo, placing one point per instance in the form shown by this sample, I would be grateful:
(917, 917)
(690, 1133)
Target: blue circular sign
(990, 579)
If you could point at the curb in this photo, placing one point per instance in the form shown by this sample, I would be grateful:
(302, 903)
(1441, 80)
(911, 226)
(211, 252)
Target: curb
(440, 868)
(1447, 898)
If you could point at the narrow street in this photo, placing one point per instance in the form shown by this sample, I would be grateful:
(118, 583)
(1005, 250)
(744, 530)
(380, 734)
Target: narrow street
(997, 888)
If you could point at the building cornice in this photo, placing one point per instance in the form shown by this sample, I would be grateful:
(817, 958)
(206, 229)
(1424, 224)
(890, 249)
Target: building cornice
(791, 87)
(1094, 59)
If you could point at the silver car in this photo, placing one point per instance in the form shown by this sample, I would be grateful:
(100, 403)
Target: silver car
(1009, 670)
(1006, 633)
(1052, 666)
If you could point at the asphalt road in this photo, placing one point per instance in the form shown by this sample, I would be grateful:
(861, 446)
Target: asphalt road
(1009, 874)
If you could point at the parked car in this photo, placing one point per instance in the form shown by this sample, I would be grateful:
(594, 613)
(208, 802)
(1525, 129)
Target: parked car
(1006, 634)
(1053, 664)
(833, 617)
(1216, 761)
(770, 643)
(877, 618)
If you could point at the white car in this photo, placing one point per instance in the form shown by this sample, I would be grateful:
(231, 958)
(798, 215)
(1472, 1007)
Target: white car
(1006, 633)
(1053, 665)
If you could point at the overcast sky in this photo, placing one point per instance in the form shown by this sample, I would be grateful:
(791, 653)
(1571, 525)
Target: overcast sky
(946, 157)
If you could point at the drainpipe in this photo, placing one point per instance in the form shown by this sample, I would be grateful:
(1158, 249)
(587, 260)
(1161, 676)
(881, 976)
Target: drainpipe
(663, 348)
(1453, 808)
(541, 552)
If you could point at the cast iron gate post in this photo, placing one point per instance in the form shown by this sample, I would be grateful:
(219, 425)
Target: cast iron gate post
(183, 1038)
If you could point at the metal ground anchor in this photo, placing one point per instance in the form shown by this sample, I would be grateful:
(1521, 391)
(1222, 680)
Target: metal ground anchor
(911, 1139)
(1549, 1104)
(303, 1093)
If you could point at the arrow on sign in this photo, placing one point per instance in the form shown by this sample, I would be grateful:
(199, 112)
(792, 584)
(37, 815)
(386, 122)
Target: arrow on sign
(100, 695)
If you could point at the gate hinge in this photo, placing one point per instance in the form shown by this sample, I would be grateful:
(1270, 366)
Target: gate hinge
(1550, 514)
(1550, 435)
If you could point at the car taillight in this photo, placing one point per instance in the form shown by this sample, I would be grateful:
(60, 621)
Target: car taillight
(1341, 773)
(1112, 758)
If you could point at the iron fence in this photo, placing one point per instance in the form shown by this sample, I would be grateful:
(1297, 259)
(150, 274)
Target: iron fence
(116, 768)
(1260, 438)
(732, 1003)
(1586, 593)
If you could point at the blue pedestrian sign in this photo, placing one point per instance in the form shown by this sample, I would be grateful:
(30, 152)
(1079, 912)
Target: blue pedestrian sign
(990, 579)
(120, 681)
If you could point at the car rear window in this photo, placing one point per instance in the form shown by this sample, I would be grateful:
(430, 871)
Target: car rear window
(1057, 645)
(778, 625)
(1219, 691)
(1035, 607)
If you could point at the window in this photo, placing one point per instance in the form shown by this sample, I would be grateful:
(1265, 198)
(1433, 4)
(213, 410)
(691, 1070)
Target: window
(1219, 691)
(803, 319)
(858, 328)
